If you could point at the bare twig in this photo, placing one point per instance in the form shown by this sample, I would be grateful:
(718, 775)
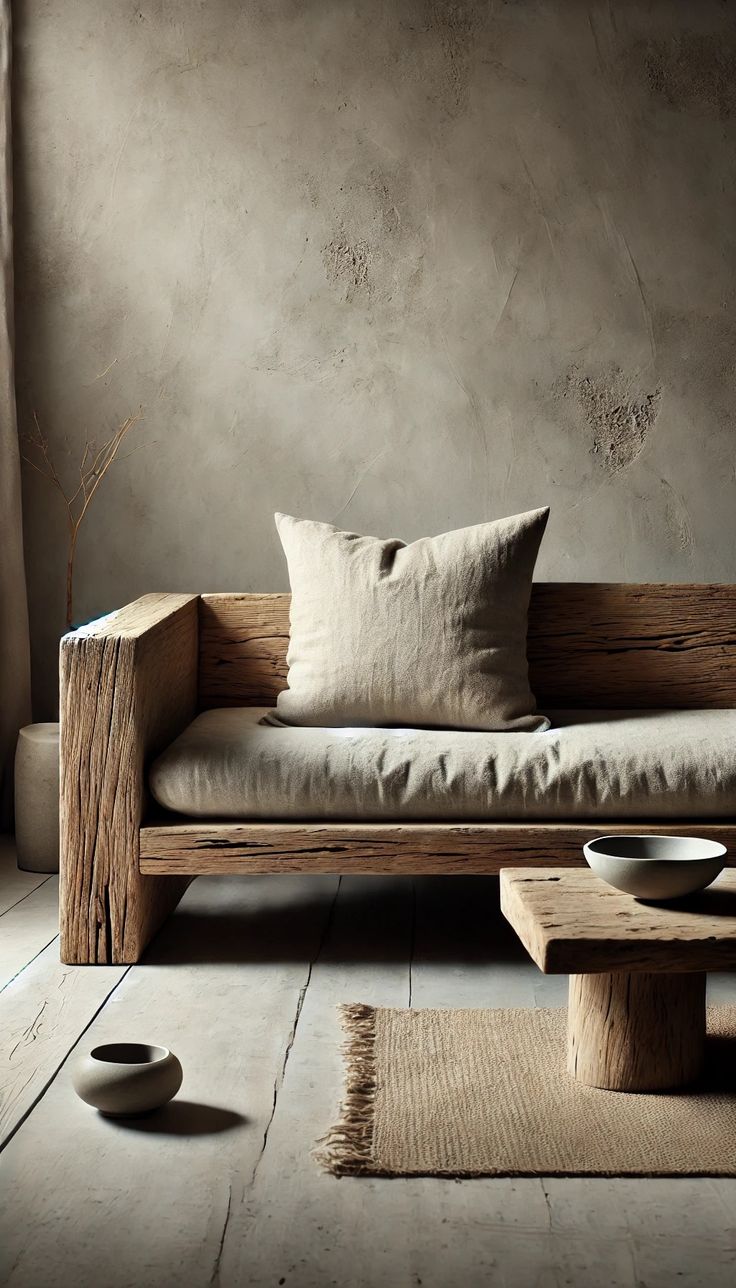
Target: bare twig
(93, 467)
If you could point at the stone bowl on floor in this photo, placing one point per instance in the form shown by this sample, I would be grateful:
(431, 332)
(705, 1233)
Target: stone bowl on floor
(656, 867)
(123, 1079)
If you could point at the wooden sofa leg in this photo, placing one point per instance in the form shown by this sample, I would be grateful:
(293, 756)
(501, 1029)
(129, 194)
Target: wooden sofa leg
(128, 687)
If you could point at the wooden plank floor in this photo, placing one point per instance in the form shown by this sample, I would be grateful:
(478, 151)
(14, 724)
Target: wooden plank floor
(220, 1189)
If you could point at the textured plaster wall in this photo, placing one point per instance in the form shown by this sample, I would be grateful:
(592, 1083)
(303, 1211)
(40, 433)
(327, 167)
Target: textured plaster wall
(402, 266)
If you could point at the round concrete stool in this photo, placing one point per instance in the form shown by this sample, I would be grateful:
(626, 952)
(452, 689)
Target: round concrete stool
(37, 798)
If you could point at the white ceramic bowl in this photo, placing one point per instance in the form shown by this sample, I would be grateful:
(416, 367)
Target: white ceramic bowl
(656, 867)
(126, 1078)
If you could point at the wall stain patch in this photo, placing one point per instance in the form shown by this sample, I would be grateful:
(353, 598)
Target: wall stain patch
(374, 252)
(692, 71)
(619, 422)
(347, 265)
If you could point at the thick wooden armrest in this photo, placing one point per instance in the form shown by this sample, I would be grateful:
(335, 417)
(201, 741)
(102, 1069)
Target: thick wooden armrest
(128, 687)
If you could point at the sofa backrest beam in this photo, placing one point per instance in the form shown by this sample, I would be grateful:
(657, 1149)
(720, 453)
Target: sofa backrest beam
(590, 645)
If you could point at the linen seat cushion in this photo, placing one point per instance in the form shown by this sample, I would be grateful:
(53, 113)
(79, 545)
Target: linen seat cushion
(431, 634)
(591, 764)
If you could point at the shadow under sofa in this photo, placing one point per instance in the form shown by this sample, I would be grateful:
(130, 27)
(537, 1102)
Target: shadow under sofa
(640, 680)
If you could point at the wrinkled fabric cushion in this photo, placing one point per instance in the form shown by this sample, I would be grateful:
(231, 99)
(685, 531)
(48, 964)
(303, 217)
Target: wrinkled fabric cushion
(663, 764)
(430, 634)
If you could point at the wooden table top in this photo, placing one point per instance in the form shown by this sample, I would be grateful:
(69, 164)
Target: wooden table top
(570, 920)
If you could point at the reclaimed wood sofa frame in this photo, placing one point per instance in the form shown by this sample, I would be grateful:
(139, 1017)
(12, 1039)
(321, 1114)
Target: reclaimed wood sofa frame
(132, 681)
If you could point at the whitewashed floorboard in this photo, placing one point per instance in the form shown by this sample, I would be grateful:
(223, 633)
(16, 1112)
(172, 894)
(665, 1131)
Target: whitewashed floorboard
(27, 929)
(14, 884)
(91, 1201)
(42, 1013)
(294, 1221)
(679, 1230)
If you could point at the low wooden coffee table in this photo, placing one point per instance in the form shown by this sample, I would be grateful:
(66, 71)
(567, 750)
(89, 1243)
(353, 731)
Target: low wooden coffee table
(636, 1012)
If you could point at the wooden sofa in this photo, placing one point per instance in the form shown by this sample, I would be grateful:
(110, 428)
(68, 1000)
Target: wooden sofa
(132, 681)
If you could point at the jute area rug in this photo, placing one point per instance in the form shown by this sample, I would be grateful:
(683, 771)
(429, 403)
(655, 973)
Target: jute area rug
(486, 1093)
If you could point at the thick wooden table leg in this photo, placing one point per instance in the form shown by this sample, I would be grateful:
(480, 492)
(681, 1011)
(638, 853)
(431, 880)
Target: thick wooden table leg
(636, 1032)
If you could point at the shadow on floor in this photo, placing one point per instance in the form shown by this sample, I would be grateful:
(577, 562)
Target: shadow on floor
(183, 1118)
(448, 919)
(719, 1075)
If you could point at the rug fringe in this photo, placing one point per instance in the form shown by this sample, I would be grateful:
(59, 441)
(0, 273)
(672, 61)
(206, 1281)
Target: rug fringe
(347, 1148)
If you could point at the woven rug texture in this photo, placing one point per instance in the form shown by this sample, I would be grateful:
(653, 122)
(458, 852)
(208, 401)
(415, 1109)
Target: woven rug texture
(486, 1093)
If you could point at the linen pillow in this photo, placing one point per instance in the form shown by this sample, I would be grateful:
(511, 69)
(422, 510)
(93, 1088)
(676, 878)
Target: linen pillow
(429, 634)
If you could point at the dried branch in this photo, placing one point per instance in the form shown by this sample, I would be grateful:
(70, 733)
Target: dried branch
(93, 467)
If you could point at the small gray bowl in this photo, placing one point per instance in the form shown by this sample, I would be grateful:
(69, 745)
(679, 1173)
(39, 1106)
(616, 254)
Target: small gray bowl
(123, 1079)
(656, 867)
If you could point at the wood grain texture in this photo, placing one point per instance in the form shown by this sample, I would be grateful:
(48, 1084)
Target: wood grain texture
(242, 649)
(590, 645)
(636, 1032)
(185, 846)
(128, 687)
(571, 921)
(624, 646)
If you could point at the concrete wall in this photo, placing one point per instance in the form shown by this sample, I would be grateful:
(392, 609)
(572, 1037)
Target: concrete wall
(401, 266)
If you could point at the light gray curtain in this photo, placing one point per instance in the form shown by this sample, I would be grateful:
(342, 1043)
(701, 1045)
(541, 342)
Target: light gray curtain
(15, 681)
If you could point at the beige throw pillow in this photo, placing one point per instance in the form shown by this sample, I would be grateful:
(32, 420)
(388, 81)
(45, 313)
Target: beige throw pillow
(431, 634)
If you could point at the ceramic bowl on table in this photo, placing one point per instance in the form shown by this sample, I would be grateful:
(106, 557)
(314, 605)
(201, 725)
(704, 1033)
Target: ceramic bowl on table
(122, 1079)
(656, 867)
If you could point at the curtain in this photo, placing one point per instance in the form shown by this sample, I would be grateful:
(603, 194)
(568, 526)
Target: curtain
(14, 649)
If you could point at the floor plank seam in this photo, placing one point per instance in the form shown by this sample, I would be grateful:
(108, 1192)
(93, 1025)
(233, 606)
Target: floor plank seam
(279, 1080)
(28, 963)
(24, 1117)
(547, 1203)
(27, 895)
(215, 1276)
(631, 1245)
